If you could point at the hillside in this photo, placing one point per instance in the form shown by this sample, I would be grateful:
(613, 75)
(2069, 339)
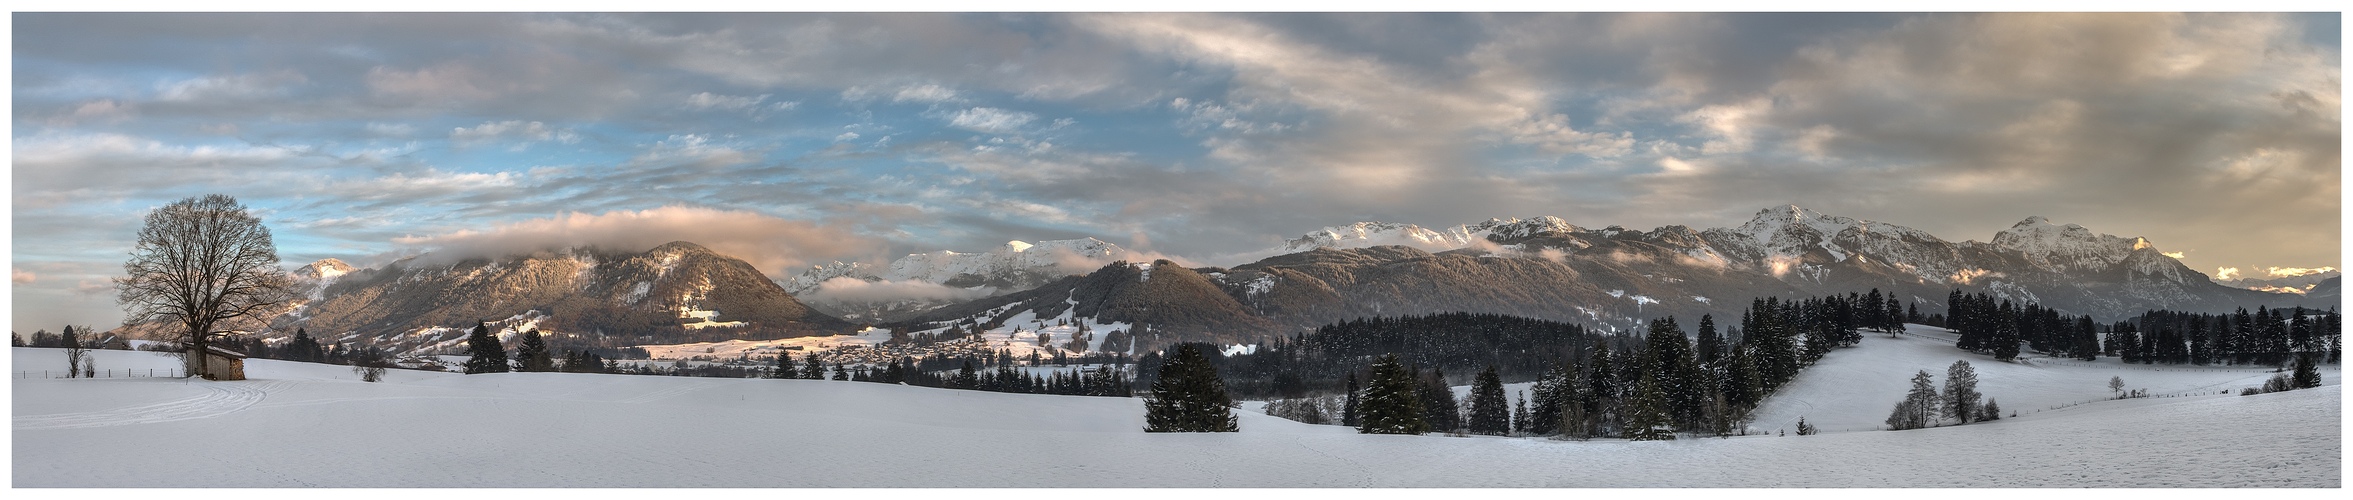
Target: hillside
(676, 292)
(313, 425)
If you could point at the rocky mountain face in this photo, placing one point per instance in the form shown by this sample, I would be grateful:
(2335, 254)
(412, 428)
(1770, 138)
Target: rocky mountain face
(921, 282)
(311, 279)
(1616, 277)
(672, 293)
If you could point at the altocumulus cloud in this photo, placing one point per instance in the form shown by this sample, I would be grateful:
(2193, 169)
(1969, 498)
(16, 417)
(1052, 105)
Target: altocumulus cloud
(774, 245)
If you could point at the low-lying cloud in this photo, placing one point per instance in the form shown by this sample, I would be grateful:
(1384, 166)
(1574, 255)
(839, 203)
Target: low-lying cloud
(849, 290)
(776, 246)
(2282, 272)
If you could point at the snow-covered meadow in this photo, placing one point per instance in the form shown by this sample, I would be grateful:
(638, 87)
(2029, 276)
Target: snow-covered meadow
(300, 424)
(1856, 388)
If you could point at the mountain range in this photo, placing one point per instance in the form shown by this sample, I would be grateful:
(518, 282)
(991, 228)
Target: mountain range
(1614, 277)
(1541, 267)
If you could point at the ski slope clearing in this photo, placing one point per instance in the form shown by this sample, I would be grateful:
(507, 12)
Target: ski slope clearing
(1854, 389)
(316, 425)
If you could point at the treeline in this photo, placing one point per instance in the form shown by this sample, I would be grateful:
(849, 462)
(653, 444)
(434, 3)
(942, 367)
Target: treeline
(1003, 377)
(1996, 329)
(71, 337)
(2263, 337)
(1654, 385)
(486, 354)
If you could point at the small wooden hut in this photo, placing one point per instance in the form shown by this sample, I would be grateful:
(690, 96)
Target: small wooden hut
(218, 363)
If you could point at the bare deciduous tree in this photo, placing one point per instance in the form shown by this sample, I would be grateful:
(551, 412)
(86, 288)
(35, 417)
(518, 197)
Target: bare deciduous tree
(205, 264)
(76, 352)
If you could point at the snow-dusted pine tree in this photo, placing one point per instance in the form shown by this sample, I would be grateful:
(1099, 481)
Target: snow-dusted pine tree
(1490, 411)
(1390, 404)
(1647, 417)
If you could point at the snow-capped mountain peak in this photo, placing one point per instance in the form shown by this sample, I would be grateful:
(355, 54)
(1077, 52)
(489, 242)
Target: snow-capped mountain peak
(324, 269)
(1374, 233)
(2067, 247)
(1514, 228)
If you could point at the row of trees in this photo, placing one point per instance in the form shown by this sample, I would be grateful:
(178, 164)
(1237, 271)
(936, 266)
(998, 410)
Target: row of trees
(486, 354)
(2264, 337)
(1663, 383)
(43, 338)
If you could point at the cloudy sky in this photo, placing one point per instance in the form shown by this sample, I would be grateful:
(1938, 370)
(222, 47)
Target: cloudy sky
(790, 140)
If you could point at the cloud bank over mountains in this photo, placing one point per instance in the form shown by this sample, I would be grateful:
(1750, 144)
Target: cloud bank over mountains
(805, 138)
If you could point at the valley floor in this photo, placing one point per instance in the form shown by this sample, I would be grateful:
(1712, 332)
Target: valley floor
(299, 424)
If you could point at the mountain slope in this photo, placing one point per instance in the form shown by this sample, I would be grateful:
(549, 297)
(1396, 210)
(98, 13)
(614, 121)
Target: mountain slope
(678, 291)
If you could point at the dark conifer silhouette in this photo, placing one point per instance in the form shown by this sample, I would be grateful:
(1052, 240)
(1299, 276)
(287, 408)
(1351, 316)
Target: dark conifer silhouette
(1390, 405)
(1188, 397)
(485, 354)
(1490, 409)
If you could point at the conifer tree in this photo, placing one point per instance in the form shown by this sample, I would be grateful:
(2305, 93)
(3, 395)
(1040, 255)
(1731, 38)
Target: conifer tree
(1519, 415)
(2306, 376)
(812, 368)
(1490, 410)
(1647, 416)
(784, 367)
(1678, 375)
(1960, 393)
(1188, 397)
(1350, 412)
(485, 354)
(1711, 346)
(532, 355)
(1601, 394)
(1992, 411)
(1390, 405)
(967, 377)
(1438, 406)
(2004, 341)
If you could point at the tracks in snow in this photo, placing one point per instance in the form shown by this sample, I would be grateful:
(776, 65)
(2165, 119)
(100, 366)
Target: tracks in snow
(221, 398)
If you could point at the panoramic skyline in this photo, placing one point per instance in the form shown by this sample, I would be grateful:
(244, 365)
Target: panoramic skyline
(796, 139)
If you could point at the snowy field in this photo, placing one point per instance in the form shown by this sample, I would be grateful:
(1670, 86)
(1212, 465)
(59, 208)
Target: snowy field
(299, 424)
(1855, 388)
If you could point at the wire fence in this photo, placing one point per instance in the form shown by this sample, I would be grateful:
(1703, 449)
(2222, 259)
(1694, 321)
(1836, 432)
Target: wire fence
(112, 373)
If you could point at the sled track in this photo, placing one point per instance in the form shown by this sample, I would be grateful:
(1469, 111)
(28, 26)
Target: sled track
(222, 398)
